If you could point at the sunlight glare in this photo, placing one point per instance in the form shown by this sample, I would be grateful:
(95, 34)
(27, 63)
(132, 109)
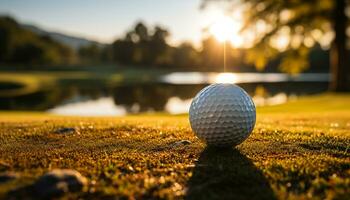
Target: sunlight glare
(225, 29)
(226, 78)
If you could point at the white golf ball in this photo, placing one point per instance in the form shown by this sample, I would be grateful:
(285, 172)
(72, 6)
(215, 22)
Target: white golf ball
(222, 114)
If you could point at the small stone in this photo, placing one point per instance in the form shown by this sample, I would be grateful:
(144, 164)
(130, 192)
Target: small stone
(181, 142)
(65, 130)
(58, 182)
(4, 166)
(9, 176)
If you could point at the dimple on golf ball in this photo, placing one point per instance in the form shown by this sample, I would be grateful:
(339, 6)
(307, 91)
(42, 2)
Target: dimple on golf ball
(222, 114)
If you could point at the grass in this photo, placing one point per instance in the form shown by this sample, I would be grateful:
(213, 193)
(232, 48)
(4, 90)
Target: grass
(299, 150)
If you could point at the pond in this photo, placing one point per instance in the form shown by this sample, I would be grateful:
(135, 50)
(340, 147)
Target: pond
(170, 93)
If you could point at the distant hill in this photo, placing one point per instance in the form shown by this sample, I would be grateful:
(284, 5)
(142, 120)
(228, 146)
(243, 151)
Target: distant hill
(22, 47)
(71, 41)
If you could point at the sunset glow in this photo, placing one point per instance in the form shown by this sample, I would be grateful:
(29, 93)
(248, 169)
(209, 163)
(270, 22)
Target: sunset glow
(225, 28)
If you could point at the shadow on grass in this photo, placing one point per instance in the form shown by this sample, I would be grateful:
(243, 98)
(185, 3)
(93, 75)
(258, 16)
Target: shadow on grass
(227, 174)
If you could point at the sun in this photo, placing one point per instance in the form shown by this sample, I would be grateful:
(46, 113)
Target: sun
(224, 29)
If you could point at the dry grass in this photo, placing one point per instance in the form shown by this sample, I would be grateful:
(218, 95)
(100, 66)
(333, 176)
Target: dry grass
(300, 150)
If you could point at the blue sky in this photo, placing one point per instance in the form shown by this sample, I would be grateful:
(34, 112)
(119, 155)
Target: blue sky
(104, 20)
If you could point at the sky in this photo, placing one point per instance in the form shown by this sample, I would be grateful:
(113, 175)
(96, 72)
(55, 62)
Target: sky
(106, 20)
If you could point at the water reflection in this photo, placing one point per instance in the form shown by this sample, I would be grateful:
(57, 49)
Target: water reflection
(226, 78)
(175, 105)
(209, 78)
(279, 98)
(103, 106)
(172, 93)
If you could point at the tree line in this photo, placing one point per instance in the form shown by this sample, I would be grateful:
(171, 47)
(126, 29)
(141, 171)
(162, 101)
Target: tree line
(140, 47)
(144, 47)
(21, 46)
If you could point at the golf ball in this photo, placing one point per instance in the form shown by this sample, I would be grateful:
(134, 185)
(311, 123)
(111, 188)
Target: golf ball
(222, 114)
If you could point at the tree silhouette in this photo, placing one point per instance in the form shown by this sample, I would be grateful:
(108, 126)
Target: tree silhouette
(21, 46)
(141, 31)
(212, 54)
(90, 54)
(141, 47)
(160, 50)
(186, 57)
(305, 24)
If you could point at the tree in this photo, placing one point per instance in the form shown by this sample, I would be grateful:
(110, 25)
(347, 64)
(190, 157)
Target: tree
(141, 47)
(186, 57)
(8, 27)
(159, 51)
(122, 51)
(90, 53)
(141, 31)
(303, 24)
(212, 53)
(22, 47)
